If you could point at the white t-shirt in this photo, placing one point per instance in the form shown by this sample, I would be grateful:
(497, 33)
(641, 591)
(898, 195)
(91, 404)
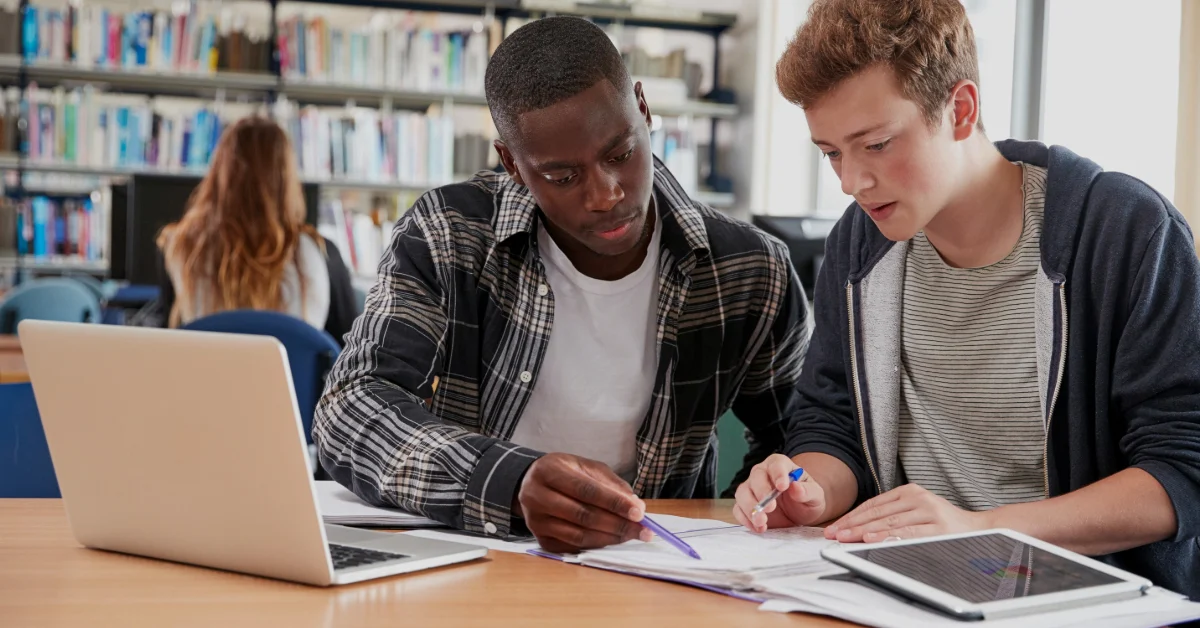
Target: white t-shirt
(593, 389)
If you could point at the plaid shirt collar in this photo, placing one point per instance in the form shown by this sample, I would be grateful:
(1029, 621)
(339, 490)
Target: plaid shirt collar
(683, 232)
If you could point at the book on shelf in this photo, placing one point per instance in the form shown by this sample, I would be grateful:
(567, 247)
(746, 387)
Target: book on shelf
(370, 145)
(190, 37)
(675, 144)
(43, 228)
(83, 127)
(10, 113)
(10, 30)
(389, 51)
(360, 224)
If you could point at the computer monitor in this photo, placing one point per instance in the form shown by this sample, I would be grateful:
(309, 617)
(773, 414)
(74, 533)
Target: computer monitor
(146, 204)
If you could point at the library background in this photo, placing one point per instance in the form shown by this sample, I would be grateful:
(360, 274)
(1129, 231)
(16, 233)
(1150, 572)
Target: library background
(110, 110)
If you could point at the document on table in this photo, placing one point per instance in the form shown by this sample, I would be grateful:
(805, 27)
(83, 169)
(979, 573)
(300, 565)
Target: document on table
(862, 603)
(341, 507)
(785, 568)
(730, 556)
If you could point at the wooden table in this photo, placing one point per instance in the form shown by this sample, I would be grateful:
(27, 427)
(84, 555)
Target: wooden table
(12, 361)
(47, 579)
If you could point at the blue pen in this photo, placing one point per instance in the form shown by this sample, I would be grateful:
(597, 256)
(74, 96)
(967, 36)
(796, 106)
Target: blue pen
(794, 476)
(666, 535)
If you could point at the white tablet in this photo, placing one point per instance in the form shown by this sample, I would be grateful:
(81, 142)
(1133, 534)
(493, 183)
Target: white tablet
(988, 574)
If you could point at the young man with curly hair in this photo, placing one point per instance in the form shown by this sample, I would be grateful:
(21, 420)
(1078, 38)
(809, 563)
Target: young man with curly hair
(1006, 334)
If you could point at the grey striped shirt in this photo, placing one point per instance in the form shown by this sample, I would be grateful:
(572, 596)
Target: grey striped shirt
(971, 428)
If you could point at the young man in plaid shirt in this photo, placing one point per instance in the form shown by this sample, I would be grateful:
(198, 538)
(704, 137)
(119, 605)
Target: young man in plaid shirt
(585, 322)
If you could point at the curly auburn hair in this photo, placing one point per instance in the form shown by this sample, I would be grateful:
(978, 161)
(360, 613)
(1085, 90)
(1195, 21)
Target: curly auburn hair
(928, 44)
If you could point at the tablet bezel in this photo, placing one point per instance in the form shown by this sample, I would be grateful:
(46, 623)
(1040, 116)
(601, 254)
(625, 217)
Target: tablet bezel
(845, 556)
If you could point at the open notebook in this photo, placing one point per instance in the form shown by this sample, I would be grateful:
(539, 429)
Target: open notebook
(340, 506)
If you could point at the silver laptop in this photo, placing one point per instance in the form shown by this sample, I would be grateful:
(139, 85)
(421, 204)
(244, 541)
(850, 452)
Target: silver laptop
(187, 446)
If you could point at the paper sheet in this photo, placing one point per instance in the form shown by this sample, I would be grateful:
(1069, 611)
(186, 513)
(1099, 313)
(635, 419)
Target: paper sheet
(854, 601)
(731, 556)
(339, 506)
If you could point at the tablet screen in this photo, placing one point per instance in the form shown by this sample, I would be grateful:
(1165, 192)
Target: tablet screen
(986, 568)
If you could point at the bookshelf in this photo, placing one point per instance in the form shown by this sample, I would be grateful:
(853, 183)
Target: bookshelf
(262, 86)
(672, 17)
(160, 74)
(58, 264)
(158, 82)
(13, 162)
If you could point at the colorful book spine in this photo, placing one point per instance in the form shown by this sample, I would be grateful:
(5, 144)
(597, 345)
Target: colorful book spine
(29, 31)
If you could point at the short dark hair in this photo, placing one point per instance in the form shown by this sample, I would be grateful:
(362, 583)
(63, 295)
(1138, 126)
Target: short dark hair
(545, 62)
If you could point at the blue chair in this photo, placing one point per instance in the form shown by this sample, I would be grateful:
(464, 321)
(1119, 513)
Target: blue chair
(54, 299)
(311, 351)
(25, 466)
(95, 286)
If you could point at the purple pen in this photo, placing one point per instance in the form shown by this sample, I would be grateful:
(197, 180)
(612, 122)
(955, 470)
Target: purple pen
(666, 535)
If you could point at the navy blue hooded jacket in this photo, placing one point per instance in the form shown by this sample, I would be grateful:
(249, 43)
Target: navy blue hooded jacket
(1118, 335)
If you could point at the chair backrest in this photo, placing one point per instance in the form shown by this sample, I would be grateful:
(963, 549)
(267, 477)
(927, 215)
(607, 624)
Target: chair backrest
(25, 466)
(55, 299)
(311, 351)
(93, 285)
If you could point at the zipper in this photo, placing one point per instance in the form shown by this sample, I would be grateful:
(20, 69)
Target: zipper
(862, 422)
(1062, 362)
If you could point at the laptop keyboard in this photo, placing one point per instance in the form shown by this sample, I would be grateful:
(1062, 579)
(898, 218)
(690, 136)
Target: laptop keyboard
(345, 557)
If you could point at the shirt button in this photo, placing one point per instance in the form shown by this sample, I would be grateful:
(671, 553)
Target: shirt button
(543, 290)
(489, 527)
(526, 376)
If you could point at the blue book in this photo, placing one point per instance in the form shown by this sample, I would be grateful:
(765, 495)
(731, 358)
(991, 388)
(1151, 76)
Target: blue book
(122, 131)
(101, 34)
(302, 46)
(206, 44)
(29, 38)
(214, 136)
(196, 154)
(22, 237)
(185, 154)
(168, 46)
(88, 248)
(455, 69)
(59, 239)
(40, 218)
(142, 45)
(135, 137)
(128, 39)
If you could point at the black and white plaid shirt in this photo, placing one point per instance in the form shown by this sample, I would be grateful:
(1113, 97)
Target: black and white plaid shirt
(462, 297)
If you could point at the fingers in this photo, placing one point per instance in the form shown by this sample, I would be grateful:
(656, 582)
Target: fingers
(592, 486)
(585, 516)
(879, 529)
(741, 517)
(744, 505)
(557, 535)
(856, 515)
(806, 492)
(876, 515)
(768, 476)
(904, 532)
(571, 503)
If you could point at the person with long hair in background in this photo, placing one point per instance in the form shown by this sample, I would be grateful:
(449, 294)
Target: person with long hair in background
(243, 242)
